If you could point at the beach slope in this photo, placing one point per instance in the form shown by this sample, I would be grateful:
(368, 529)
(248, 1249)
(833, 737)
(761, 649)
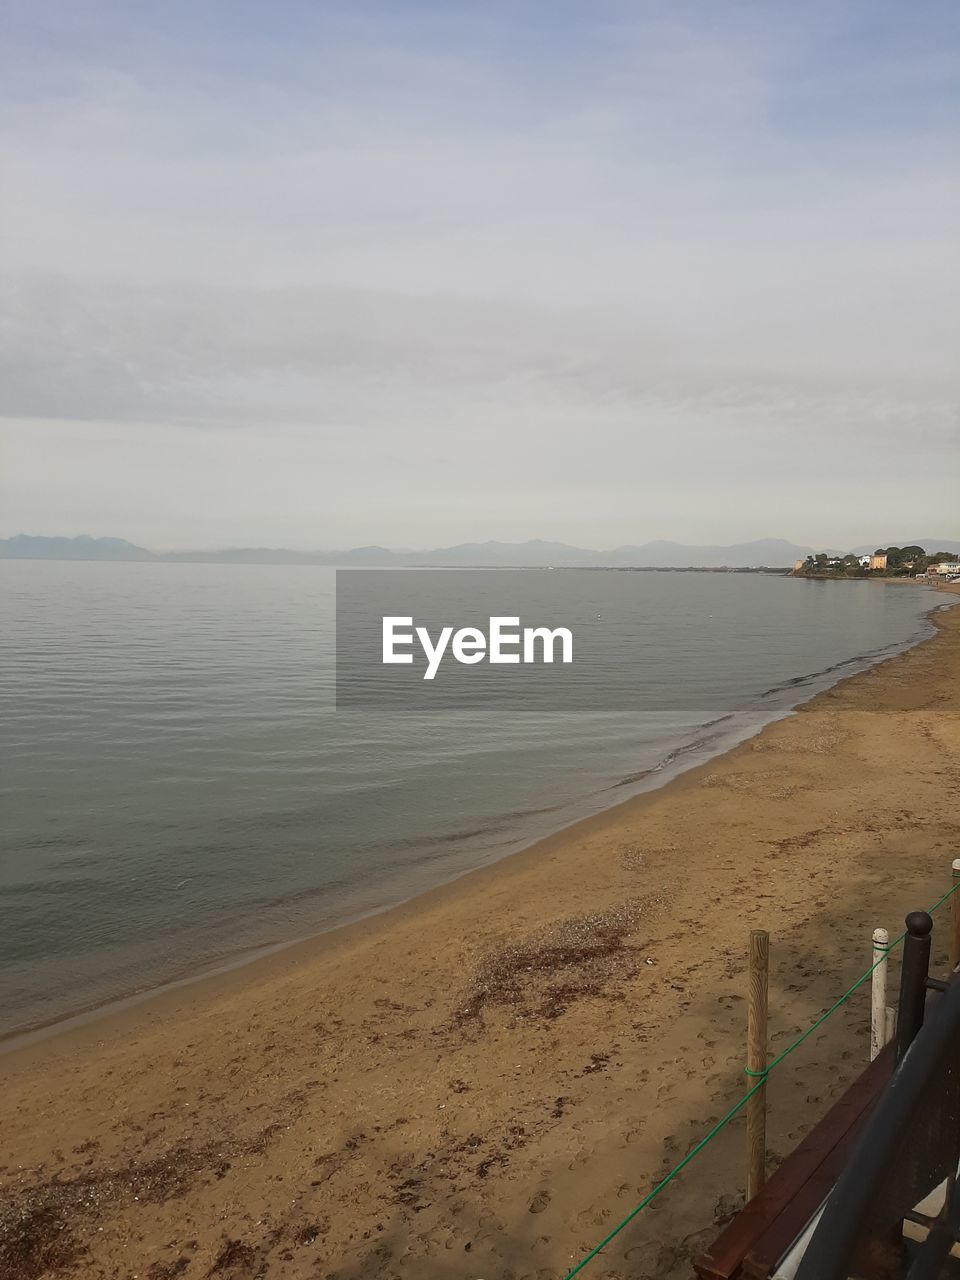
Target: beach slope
(483, 1082)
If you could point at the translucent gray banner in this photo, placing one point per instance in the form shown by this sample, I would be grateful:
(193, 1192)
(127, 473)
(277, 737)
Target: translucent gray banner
(431, 639)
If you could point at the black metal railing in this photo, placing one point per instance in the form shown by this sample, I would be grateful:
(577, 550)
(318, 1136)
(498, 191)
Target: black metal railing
(909, 1147)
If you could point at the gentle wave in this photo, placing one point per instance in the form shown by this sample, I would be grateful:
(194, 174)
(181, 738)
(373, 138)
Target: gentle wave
(178, 788)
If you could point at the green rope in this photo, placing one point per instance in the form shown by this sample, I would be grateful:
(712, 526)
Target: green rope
(824, 1016)
(722, 1123)
(741, 1102)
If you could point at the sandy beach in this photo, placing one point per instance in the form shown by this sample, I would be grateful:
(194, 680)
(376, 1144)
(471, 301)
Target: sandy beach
(482, 1082)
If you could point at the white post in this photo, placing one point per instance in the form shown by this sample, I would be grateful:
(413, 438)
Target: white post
(954, 948)
(878, 992)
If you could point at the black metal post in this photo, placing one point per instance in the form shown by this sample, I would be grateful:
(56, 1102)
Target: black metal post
(913, 978)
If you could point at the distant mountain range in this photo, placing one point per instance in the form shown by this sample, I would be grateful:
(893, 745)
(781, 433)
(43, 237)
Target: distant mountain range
(763, 553)
(27, 547)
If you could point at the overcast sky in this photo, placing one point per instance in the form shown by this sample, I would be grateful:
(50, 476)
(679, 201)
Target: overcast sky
(322, 274)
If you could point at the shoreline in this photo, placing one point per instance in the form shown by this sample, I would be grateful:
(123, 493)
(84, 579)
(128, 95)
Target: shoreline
(503, 1066)
(688, 757)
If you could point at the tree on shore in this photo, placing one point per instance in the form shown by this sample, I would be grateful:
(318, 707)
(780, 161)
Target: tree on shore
(901, 562)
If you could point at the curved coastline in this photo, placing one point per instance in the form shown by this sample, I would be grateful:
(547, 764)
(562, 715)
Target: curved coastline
(536, 1037)
(703, 749)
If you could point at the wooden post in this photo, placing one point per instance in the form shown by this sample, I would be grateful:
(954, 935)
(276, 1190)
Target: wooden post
(955, 917)
(757, 1059)
(878, 992)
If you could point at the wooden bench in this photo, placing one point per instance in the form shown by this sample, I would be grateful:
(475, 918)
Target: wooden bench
(763, 1231)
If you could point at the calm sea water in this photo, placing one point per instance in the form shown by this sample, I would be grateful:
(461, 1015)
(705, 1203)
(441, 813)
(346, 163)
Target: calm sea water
(177, 787)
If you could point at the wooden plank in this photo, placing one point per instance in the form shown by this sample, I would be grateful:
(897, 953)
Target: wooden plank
(723, 1260)
(765, 1254)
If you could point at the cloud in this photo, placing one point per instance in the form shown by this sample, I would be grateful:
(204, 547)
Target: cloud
(578, 236)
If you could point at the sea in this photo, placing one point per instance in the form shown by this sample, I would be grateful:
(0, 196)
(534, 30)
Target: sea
(178, 791)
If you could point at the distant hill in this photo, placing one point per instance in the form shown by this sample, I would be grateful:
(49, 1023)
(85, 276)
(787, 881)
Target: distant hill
(769, 552)
(766, 552)
(508, 554)
(239, 555)
(772, 553)
(27, 547)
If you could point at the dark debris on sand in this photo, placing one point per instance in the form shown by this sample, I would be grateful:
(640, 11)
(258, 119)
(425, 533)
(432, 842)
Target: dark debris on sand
(39, 1230)
(43, 1224)
(541, 977)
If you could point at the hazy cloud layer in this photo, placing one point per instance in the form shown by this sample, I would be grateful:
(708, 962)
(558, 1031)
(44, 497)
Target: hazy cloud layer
(321, 274)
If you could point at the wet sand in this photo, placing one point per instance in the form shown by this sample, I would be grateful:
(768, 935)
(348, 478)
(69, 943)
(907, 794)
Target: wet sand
(483, 1082)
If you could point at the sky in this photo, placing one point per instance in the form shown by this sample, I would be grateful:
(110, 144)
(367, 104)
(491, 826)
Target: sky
(322, 274)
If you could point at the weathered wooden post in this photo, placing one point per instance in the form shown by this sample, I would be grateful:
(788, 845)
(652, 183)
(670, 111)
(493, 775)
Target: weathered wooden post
(913, 979)
(878, 992)
(955, 917)
(757, 1059)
